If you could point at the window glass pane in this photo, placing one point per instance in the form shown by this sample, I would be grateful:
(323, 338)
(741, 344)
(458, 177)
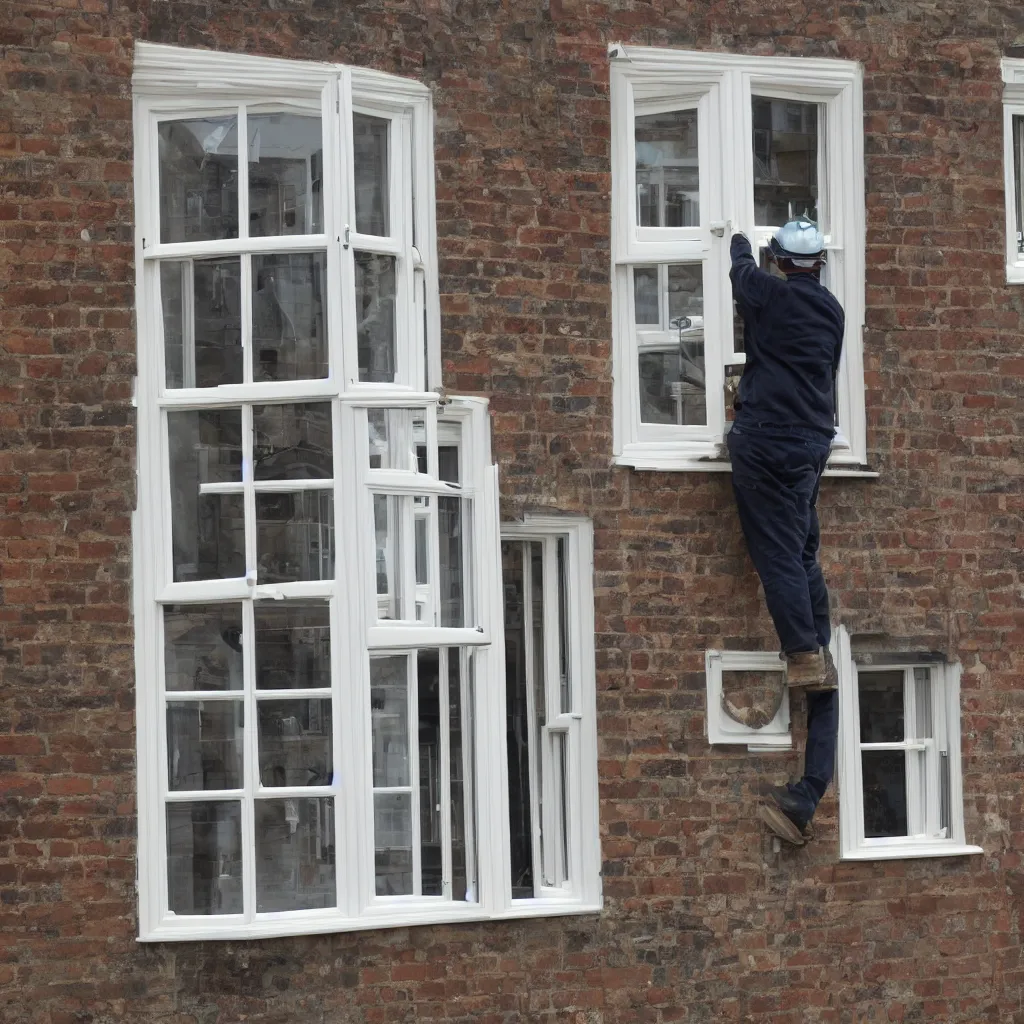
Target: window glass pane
(295, 867)
(1018, 177)
(286, 164)
(293, 645)
(561, 742)
(210, 543)
(370, 153)
(389, 717)
(401, 520)
(292, 442)
(204, 857)
(201, 304)
(203, 647)
(565, 691)
(881, 707)
(387, 544)
(448, 463)
(454, 516)
(667, 170)
(672, 386)
(785, 160)
(517, 725)
(295, 743)
(422, 573)
(295, 536)
(396, 437)
(206, 444)
(289, 314)
(646, 296)
(428, 704)
(198, 179)
(208, 529)
(392, 826)
(375, 316)
(885, 793)
(460, 755)
(923, 704)
(538, 739)
(204, 744)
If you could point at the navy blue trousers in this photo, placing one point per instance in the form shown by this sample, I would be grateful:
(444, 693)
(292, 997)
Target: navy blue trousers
(775, 478)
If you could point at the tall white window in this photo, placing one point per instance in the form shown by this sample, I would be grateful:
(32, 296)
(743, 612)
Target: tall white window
(705, 144)
(1013, 166)
(900, 785)
(550, 716)
(318, 588)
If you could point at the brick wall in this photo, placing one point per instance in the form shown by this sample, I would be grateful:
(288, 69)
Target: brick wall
(703, 921)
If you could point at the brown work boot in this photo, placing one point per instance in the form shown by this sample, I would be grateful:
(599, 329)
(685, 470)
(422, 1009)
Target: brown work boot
(831, 680)
(780, 811)
(807, 668)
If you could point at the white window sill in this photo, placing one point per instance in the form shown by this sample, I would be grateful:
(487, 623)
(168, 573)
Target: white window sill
(667, 461)
(1015, 273)
(191, 929)
(911, 851)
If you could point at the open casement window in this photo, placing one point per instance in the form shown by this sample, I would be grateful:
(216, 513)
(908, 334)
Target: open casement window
(551, 737)
(317, 564)
(705, 144)
(1013, 166)
(899, 757)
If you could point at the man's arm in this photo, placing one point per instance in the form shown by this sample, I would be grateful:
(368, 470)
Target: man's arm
(751, 286)
(842, 334)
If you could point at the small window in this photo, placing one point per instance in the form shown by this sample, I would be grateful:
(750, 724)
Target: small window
(899, 760)
(705, 144)
(550, 731)
(1013, 159)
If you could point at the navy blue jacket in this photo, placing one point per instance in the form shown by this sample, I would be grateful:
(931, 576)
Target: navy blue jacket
(793, 338)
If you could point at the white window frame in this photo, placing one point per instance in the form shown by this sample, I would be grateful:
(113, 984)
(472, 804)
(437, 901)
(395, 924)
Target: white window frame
(1013, 106)
(720, 728)
(720, 86)
(579, 880)
(922, 809)
(170, 81)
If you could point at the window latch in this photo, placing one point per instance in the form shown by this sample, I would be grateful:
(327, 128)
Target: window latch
(719, 227)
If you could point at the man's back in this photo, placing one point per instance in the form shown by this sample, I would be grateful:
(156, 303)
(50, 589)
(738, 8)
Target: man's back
(793, 338)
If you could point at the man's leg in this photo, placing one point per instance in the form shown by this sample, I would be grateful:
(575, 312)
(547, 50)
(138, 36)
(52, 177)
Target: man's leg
(773, 486)
(820, 755)
(789, 808)
(816, 587)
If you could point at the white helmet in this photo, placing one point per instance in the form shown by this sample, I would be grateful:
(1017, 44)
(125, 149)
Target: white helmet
(801, 242)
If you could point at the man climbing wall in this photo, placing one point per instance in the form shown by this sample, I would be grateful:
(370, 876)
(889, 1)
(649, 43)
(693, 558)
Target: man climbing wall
(779, 444)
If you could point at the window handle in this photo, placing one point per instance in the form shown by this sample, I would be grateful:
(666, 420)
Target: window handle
(719, 227)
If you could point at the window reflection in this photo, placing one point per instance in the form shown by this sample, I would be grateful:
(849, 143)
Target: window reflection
(785, 160)
(370, 155)
(295, 854)
(198, 179)
(289, 311)
(669, 314)
(375, 316)
(202, 322)
(204, 857)
(667, 169)
(286, 162)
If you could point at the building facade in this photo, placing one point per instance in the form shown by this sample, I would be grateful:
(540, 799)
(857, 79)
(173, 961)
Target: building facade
(311, 714)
